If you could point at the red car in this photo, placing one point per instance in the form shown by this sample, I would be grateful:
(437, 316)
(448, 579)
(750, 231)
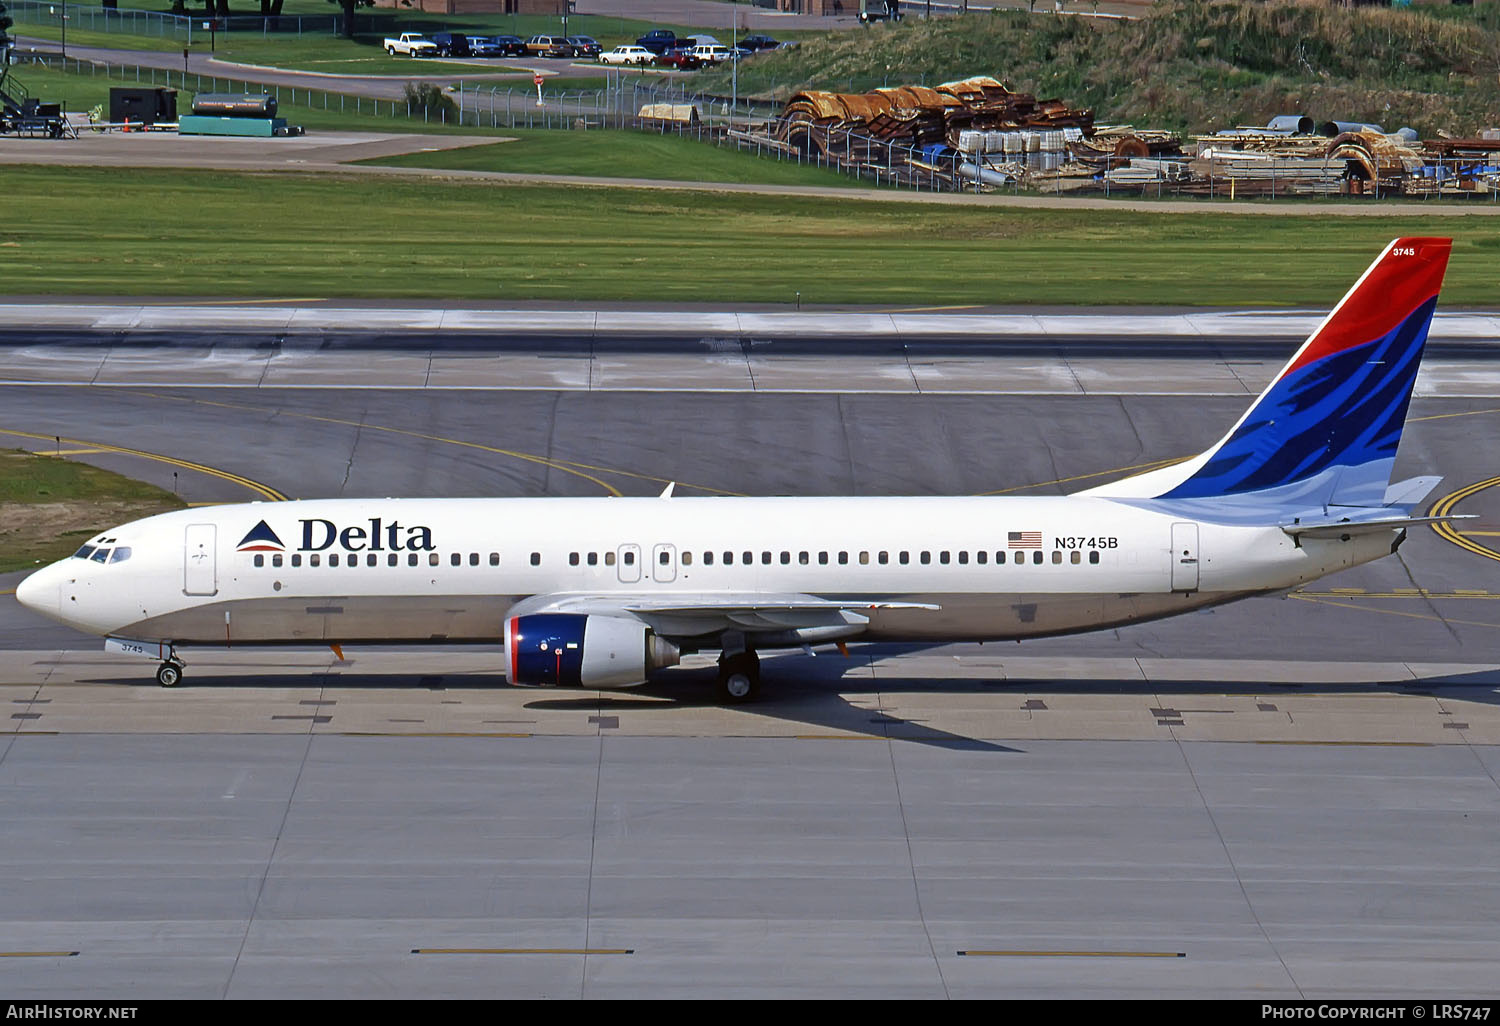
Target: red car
(678, 60)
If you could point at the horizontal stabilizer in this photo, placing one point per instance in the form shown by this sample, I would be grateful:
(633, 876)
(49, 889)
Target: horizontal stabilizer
(1413, 490)
(1349, 528)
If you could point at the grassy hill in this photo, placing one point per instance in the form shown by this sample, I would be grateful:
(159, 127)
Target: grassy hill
(1197, 65)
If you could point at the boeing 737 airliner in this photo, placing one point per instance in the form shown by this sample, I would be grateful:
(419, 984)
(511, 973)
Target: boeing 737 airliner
(601, 592)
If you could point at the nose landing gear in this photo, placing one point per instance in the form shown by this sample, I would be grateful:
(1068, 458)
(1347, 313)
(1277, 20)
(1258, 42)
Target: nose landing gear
(169, 673)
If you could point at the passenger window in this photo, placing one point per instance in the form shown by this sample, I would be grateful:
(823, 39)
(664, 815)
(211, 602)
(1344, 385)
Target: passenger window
(1036, 558)
(120, 554)
(905, 558)
(630, 559)
(786, 558)
(333, 559)
(1093, 557)
(494, 559)
(663, 558)
(943, 557)
(1075, 557)
(572, 559)
(432, 559)
(708, 559)
(843, 558)
(864, 558)
(314, 560)
(371, 559)
(926, 558)
(822, 559)
(981, 557)
(392, 559)
(687, 558)
(1000, 556)
(276, 559)
(884, 558)
(456, 559)
(765, 557)
(609, 559)
(747, 558)
(536, 559)
(411, 559)
(963, 557)
(593, 559)
(802, 558)
(260, 560)
(474, 558)
(1056, 557)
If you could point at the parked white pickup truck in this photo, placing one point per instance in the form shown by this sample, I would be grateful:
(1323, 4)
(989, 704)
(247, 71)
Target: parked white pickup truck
(413, 44)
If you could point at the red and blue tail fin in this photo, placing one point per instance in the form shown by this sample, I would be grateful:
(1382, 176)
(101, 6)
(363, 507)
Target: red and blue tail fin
(1326, 429)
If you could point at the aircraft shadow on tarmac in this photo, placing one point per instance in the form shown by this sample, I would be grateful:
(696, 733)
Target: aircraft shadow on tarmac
(825, 693)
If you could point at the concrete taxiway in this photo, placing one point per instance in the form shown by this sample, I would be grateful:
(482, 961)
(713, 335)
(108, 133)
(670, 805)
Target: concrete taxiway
(1288, 797)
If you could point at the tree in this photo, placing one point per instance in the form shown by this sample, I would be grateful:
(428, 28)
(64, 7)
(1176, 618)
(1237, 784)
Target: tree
(349, 6)
(5, 40)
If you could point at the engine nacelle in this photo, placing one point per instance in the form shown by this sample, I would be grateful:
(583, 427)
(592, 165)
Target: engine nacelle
(573, 649)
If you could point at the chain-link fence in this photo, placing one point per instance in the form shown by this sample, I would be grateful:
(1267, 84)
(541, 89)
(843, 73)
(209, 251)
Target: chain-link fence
(630, 102)
(183, 28)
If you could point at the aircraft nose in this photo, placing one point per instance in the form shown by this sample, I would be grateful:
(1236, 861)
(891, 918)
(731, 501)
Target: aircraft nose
(38, 592)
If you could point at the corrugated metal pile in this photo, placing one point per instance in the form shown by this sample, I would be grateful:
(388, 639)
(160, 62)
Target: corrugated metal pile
(976, 134)
(910, 133)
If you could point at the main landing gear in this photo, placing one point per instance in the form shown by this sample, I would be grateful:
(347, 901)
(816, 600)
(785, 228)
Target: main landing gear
(739, 677)
(169, 673)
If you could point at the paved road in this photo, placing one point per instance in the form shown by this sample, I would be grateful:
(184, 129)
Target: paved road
(215, 72)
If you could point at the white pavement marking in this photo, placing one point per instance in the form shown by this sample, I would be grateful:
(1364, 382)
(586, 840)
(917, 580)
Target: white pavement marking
(1453, 326)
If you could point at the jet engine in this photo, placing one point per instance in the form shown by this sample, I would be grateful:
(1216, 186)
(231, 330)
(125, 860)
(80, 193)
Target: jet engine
(574, 649)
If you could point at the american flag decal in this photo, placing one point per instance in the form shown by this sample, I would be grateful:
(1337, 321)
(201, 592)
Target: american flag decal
(1024, 539)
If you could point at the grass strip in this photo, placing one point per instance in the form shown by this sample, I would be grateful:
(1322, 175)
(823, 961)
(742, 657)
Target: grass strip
(72, 231)
(49, 506)
(620, 154)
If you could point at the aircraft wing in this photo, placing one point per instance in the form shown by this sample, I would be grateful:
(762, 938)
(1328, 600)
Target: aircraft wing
(694, 615)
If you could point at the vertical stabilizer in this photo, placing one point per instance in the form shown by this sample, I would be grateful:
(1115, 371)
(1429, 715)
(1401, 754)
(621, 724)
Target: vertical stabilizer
(1325, 431)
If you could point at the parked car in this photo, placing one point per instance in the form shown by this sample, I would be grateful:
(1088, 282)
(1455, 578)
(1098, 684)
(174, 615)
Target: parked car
(712, 53)
(627, 55)
(759, 43)
(585, 46)
(678, 60)
(484, 46)
(413, 44)
(451, 44)
(698, 40)
(510, 46)
(880, 10)
(658, 41)
(549, 46)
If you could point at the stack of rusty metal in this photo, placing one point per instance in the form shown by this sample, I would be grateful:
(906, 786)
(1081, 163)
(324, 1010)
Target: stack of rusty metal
(920, 116)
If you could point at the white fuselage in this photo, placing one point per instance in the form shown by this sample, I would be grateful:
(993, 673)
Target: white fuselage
(450, 570)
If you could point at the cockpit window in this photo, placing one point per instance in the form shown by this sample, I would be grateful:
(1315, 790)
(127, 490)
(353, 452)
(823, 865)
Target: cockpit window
(121, 554)
(84, 553)
(100, 556)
